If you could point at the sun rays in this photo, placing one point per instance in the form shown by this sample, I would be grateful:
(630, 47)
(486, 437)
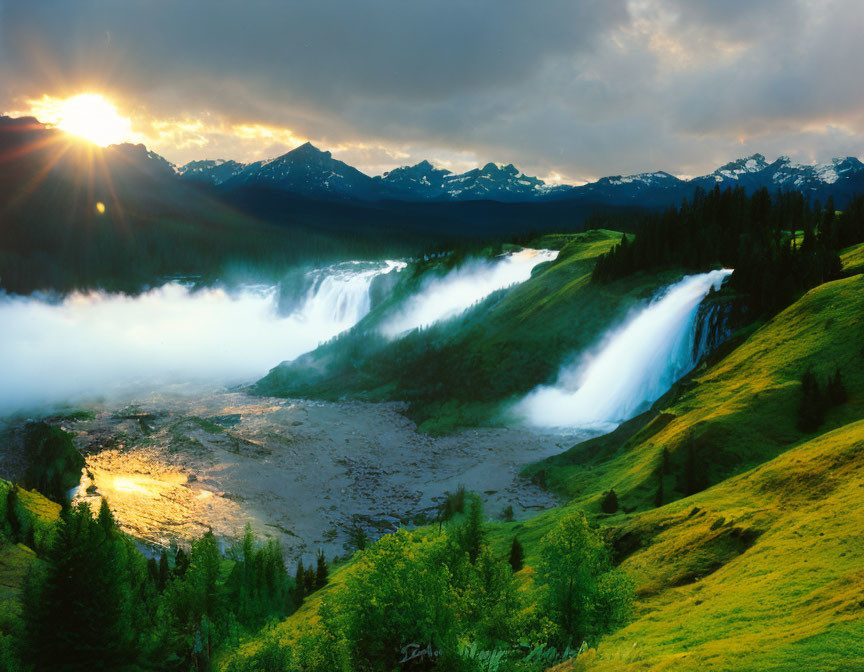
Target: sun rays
(87, 115)
(82, 127)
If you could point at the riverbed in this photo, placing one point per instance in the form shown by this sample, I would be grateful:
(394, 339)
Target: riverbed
(304, 472)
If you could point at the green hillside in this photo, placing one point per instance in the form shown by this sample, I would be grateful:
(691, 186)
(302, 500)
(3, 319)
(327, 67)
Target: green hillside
(761, 568)
(761, 572)
(853, 259)
(458, 373)
(738, 413)
(27, 521)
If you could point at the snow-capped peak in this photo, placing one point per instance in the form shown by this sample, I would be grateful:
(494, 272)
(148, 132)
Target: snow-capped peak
(734, 169)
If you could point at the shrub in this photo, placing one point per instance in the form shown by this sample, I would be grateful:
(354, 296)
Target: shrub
(357, 538)
(454, 503)
(609, 504)
(273, 656)
(584, 595)
(55, 463)
(517, 555)
(399, 593)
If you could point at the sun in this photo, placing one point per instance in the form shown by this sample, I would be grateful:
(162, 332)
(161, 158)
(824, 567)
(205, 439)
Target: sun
(87, 115)
(93, 118)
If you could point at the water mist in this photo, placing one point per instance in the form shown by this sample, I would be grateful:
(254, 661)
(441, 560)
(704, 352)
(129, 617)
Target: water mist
(633, 367)
(445, 297)
(95, 343)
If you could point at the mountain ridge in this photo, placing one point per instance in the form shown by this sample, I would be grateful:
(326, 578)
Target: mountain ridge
(324, 176)
(310, 172)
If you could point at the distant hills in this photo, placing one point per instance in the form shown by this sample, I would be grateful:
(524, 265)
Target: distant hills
(310, 172)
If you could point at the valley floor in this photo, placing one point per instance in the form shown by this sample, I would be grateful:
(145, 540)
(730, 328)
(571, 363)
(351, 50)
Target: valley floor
(307, 473)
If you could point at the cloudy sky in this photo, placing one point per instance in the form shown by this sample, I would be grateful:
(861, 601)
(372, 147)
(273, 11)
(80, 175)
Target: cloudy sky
(570, 88)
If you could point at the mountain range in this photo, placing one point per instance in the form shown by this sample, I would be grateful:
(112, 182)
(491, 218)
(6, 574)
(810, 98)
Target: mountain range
(310, 172)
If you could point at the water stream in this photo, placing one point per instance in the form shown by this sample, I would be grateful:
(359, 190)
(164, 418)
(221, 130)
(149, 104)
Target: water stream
(634, 365)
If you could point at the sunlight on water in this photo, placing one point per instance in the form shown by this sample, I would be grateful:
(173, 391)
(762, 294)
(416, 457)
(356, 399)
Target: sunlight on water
(634, 366)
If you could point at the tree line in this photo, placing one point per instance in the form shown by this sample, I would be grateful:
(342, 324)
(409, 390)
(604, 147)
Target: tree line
(92, 600)
(779, 246)
(440, 598)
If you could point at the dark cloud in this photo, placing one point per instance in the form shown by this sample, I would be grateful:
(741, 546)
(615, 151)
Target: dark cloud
(581, 88)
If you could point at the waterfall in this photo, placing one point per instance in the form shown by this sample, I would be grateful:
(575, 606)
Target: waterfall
(339, 296)
(442, 298)
(634, 365)
(96, 343)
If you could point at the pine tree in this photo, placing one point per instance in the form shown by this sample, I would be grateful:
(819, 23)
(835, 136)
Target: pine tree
(299, 584)
(204, 570)
(78, 614)
(517, 555)
(164, 571)
(12, 512)
(105, 517)
(471, 533)
(153, 572)
(321, 573)
(811, 411)
(658, 496)
(181, 563)
(837, 394)
(665, 464)
(309, 580)
(609, 504)
(695, 471)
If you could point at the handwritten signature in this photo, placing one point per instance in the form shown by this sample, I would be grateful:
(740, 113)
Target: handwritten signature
(415, 651)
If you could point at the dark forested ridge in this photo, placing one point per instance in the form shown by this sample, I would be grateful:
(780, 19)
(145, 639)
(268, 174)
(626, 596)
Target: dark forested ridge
(77, 216)
(779, 245)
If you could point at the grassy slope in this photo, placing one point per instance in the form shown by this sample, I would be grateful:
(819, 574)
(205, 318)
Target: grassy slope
(853, 259)
(766, 575)
(762, 571)
(15, 559)
(743, 410)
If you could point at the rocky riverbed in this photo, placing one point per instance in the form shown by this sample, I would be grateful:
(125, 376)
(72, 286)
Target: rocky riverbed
(308, 473)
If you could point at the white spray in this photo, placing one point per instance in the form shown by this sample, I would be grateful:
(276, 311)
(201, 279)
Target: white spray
(635, 365)
(105, 344)
(445, 297)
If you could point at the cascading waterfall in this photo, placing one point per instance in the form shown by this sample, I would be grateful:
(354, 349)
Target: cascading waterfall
(339, 296)
(97, 343)
(635, 365)
(442, 298)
